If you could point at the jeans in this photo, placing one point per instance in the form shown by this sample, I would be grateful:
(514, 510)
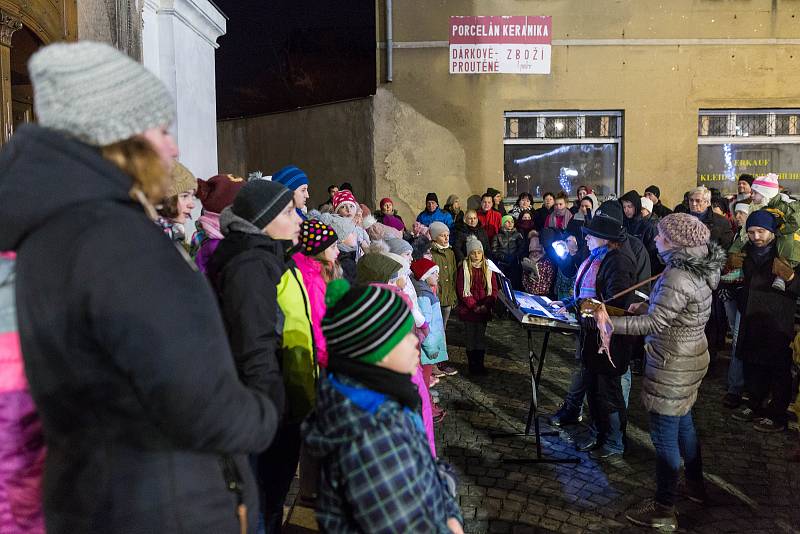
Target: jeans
(674, 437)
(573, 402)
(736, 367)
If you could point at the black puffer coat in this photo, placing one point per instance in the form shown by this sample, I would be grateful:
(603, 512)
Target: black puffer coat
(125, 352)
(676, 351)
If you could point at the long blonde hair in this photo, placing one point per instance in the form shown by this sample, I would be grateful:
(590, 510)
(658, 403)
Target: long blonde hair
(137, 158)
(331, 270)
(466, 265)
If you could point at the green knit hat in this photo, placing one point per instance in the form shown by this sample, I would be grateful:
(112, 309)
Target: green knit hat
(374, 267)
(364, 322)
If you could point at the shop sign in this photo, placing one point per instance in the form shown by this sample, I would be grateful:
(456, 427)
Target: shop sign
(500, 45)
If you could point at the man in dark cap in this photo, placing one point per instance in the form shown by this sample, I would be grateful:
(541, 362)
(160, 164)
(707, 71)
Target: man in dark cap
(654, 194)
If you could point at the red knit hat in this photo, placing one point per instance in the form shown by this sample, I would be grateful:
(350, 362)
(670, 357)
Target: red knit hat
(422, 268)
(218, 192)
(384, 200)
(344, 196)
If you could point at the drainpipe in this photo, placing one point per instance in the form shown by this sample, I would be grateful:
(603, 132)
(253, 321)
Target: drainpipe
(389, 41)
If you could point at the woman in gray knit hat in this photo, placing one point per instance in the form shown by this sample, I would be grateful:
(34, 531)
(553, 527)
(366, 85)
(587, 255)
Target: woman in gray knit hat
(146, 424)
(676, 358)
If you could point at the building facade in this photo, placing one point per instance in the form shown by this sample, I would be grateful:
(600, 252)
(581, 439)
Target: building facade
(634, 90)
(176, 39)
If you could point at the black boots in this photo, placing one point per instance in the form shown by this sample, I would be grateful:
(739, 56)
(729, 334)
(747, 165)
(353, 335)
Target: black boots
(475, 361)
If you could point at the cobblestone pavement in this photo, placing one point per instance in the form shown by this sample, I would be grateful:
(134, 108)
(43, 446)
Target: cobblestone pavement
(751, 486)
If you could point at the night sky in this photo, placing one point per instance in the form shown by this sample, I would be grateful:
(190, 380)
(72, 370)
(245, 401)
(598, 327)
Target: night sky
(284, 54)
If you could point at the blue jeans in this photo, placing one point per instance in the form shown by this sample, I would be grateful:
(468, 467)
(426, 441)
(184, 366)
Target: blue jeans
(736, 367)
(573, 402)
(674, 437)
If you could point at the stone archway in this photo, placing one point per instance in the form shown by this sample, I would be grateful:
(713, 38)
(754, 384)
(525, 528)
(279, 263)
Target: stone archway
(24, 26)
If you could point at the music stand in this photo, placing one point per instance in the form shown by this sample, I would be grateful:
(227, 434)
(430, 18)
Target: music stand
(535, 365)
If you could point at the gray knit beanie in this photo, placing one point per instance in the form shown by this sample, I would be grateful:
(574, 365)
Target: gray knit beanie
(438, 228)
(473, 243)
(398, 246)
(96, 93)
(261, 201)
(341, 225)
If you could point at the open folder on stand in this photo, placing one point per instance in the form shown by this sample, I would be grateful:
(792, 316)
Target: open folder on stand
(534, 309)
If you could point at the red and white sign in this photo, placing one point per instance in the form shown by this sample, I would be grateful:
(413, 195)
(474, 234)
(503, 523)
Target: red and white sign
(507, 45)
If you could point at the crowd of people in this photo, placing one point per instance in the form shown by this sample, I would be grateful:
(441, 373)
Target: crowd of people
(169, 375)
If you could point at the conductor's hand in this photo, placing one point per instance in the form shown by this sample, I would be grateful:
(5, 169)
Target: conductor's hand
(559, 307)
(638, 308)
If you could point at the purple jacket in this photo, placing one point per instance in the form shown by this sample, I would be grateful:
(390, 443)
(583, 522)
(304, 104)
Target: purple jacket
(22, 449)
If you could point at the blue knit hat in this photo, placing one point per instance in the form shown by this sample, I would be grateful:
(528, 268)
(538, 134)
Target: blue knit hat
(762, 219)
(291, 177)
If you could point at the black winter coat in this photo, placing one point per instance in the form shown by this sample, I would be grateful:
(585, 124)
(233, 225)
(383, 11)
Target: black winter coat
(660, 210)
(617, 272)
(540, 217)
(245, 271)
(125, 352)
(766, 329)
(721, 231)
(462, 232)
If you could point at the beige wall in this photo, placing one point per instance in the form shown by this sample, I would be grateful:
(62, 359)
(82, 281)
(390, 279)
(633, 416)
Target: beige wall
(331, 143)
(108, 22)
(451, 127)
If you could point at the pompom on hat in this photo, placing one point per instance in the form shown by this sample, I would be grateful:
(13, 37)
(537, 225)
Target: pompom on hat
(767, 185)
(364, 322)
(315, 237)
(684, 230)
(97, 94)
(218, 192)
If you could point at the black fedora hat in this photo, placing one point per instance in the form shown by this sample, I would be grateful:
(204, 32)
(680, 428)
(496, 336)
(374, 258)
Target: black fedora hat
(604, 226)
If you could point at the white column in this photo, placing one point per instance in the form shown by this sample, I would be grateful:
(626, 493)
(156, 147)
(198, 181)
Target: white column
(179, 39)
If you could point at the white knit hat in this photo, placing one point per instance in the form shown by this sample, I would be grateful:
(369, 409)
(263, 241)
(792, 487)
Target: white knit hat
(95, 93)
(647, 204)
(742, 206)
(767, 185)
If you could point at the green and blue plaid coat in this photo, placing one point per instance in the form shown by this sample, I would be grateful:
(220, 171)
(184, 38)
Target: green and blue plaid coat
(377, 474)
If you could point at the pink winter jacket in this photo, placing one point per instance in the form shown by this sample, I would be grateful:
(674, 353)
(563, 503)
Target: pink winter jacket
(22, 449)
(311, 270)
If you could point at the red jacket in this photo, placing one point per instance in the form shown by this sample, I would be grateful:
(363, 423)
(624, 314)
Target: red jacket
(467, 305)
(490, 221)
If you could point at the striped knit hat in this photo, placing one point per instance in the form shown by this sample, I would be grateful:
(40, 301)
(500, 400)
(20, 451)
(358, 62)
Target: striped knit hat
(291, 177)
(767, 185)
(364, 322)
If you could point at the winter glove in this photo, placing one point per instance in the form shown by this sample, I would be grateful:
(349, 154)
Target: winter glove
(735, 261)
(782, 269)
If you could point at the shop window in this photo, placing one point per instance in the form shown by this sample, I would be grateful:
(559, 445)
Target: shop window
(551, 151)
(734, 142)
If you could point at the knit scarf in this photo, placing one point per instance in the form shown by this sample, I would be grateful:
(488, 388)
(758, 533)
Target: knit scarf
(440, 247)
(398, 386)
(209, 221)
(483, 265)
(586, 281)
(559, 221)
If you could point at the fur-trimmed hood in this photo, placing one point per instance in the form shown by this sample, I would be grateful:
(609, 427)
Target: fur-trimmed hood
(705, 261)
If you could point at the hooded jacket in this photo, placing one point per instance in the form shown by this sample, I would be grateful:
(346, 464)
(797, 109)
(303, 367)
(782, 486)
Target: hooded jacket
(434, 346)
(377, 473)
(136, 406)
(22, 449)
(641, 228)
(267, 314)
(676, 350)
